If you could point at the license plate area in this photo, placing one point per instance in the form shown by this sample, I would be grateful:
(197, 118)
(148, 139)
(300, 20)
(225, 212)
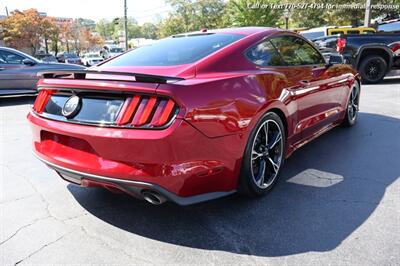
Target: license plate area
(93, 110)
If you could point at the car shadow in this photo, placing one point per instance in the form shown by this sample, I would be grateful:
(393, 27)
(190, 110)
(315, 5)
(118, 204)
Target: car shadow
(18, 100)
(390, 80)
(327, 190)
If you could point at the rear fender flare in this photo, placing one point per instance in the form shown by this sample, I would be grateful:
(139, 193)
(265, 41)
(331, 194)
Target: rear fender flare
(384, 49)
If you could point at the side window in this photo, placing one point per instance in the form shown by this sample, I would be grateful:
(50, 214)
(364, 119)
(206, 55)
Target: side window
(264, 54)
(10, 58)
(353, 32)
(297, 52)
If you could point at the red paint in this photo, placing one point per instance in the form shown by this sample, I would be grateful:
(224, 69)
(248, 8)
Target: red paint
(41, 100)
(220, 100)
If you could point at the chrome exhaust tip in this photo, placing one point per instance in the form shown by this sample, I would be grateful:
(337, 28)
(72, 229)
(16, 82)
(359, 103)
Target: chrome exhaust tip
(153, 197)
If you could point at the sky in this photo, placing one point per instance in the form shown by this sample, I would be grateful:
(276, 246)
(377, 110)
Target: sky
(142, 10)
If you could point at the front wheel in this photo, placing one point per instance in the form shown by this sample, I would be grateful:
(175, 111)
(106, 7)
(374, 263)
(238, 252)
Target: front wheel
(264, 156)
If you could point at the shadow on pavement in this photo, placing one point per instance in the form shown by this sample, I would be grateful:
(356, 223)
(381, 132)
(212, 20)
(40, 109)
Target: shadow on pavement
(12, 101)
(327, 190)
(390, 80)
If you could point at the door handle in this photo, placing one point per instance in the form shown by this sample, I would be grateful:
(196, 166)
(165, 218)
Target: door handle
(304, 82)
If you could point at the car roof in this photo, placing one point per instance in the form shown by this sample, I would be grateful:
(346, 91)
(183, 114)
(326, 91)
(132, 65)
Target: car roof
(15, 51)
(243, 31)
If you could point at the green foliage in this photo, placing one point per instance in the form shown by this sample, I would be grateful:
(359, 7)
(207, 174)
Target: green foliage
(239, 13)
(149, 31)
(193, 15)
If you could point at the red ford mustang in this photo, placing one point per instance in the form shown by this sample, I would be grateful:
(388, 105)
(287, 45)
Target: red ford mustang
(192, 117)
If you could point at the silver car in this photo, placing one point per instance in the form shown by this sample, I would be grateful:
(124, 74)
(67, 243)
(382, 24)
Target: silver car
(18, 72)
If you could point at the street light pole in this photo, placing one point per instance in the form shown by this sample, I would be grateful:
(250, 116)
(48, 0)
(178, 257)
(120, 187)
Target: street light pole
(367, 18)
(126, 24)
(286, 15)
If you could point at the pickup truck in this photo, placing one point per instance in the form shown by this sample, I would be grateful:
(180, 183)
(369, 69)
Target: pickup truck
(373, 55)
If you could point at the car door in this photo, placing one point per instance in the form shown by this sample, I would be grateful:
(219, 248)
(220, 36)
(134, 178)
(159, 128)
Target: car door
(317, 90)
(14, 74)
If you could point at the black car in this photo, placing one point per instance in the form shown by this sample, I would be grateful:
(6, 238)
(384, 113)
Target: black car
(373, 55)
(69, 58)
(18, 72)
(48, 58)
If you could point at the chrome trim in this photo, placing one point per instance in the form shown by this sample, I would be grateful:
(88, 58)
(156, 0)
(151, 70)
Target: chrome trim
(135, 187)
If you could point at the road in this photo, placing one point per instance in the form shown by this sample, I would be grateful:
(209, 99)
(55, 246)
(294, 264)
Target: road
(337, 203)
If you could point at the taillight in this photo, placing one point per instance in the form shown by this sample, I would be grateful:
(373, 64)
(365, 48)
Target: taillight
(41, 100)
(144, 111)
(340, 45)
(396, 47)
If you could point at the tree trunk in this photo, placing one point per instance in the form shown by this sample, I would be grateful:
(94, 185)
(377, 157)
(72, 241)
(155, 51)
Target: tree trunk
(46, 45)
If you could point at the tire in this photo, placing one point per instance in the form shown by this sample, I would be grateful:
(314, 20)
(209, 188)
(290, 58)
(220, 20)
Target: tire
(352, 106)
(373, 69)
(258, 174)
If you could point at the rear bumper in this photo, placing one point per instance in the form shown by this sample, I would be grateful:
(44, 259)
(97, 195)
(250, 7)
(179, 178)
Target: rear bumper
(134, 188)
(179, 162)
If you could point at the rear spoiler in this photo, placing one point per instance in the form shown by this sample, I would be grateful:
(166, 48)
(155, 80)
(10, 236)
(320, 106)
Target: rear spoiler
(81, 74)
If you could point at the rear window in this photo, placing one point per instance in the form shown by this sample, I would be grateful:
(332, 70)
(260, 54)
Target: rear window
(175, 50)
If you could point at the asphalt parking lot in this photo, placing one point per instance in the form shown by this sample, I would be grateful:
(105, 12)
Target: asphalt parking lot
(337, 203)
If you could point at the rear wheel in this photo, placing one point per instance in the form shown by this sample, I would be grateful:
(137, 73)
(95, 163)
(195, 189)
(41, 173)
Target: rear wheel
(264, 156)
(373, 69)
(352, 107)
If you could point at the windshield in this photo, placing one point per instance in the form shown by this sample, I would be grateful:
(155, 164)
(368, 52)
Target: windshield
(176, 50)
(312, 35)
(116, 50)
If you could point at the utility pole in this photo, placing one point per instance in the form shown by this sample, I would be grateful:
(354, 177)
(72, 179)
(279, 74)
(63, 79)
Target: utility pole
(126, 25)
(367, 19)
(7, 12)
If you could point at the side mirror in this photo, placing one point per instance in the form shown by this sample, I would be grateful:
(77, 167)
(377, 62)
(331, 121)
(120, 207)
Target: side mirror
(333, 58)
(28, 62)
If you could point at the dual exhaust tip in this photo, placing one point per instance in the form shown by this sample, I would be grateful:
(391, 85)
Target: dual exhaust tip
(153, 197)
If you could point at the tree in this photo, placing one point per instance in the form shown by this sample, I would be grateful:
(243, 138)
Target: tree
(191, 15)
(208, 14)
(239, 13)
(170, 26)
(23, 30)
(51, 32)
(149, 31)
(105, 28)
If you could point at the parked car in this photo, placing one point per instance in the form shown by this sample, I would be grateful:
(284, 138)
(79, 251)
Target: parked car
(110, 51)
(91, 59)
(193, 117)
(390, 26)
(373, 55)
(18, 72)
(315, 33)
(49, 58)
(69, 58)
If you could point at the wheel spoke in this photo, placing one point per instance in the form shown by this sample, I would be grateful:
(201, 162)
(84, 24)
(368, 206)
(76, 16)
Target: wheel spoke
(265, 127)
(277, 139)
(274, 165)
(263, 166)
(255, 155)
(351, 112)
